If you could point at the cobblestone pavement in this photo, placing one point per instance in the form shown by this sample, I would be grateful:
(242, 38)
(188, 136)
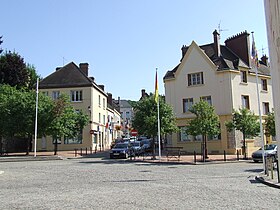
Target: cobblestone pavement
(98, 182)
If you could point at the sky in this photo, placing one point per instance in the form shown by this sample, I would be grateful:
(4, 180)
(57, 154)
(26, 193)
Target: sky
(124, 41)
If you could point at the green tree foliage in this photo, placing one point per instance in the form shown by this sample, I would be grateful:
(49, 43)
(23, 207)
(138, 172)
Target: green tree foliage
(67, 121)
(205, 123)
(0, 44)
(246, 122)
(15, 72)
(146, 117)
(56, 118)
(270, 124)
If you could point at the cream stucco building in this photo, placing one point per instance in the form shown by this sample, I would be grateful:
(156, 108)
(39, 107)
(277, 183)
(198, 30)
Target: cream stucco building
(87, 96)
(223, 76)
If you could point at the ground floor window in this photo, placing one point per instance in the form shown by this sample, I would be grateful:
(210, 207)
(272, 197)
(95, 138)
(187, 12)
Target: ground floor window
(75, 140)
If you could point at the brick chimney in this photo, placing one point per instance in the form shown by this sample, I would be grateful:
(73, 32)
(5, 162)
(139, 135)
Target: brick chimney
(217, 47)
(264, 59)
(110, 99)
(143, 93)
(240, 45)
(184, 50)
(101, 86)
(84, 68)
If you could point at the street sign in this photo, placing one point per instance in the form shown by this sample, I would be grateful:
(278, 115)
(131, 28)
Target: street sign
(134, 132)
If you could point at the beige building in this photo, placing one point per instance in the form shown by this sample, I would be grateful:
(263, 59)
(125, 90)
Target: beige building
(87, 96)
(223, 76)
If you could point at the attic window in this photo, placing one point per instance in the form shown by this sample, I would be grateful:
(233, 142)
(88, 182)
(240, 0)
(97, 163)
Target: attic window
(195, 79)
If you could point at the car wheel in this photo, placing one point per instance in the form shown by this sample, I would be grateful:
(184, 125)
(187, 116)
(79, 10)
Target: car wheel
(256, 161)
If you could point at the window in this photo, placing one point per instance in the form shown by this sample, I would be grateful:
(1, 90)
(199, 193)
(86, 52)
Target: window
(264, 84)
(265, 108)
(187, 104)
(198, 138)
(99, 101)
(103, 103)
(183, 136)
(207, 99)
(99, 118)
(75, 140)
(55, 95)
(195, 79)
(127, 115)
(245, 102)
(104, 120)
(76, 95)
(243, 76)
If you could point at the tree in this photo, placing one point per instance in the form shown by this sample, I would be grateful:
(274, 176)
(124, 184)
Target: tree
(205, 123)
(145, 119)
(246, 122)
(67, 121)
(0, 44)
(15, 72)
(269, 124)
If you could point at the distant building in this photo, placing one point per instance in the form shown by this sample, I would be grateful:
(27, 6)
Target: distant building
(223, 76)
(87, 96)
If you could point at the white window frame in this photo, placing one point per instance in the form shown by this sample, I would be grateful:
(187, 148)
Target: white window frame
(266, 110)
(264, 84)
(244, 78)
(208, 99)
(55, 94)
(76, 95)
(187, 104)
(244, 99)
(195, 79)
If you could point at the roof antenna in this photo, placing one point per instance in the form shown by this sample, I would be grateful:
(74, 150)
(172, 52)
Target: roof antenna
(220, 29)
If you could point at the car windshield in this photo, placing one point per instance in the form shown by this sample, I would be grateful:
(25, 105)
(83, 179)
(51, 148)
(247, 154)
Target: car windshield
(135, 144)
(122, 145)
(146, 141)
(269, 147)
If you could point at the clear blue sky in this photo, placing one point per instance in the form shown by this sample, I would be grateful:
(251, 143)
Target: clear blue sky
(122, 40)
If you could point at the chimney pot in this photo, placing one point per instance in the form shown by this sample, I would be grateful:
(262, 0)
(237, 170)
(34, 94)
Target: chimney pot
(216, 36)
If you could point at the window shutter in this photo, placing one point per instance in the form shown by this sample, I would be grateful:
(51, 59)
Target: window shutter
(202, 81)
(184, 107)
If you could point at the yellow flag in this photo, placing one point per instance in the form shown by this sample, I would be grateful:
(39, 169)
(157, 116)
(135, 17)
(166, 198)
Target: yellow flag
(156, 89)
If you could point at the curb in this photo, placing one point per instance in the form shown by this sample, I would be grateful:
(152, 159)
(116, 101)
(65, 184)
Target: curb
(38, 158)
(270, 184)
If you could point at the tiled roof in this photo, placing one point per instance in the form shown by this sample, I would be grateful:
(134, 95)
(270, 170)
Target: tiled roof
(69, 75)
(227, 60)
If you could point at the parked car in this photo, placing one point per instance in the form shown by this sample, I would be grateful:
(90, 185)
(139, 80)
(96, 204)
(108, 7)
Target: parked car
(121, 150)
(146, 145)
(137, 147)
(269, 150)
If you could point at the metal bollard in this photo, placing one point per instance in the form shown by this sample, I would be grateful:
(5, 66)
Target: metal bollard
(194, 157)
(81, 152)
(225, 158)
(91, 150)
(75, 152)
(86, 150)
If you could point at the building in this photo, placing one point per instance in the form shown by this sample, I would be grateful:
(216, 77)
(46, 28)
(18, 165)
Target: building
(224, 76)
(87, 96)
(127, 114)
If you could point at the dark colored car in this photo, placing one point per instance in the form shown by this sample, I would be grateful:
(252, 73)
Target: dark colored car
(146, 145)
(137, 147)
(121, 150)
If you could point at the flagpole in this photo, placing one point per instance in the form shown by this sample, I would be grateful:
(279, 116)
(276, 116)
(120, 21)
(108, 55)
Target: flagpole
(36, 118)
(158, 119)
(255, 57)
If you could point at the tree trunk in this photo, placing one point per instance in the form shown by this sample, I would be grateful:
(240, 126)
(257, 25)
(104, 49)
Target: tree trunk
(55, 147)
(244, 147)
(1, 146)
(203, 148)
(29, 144)
(153, 148)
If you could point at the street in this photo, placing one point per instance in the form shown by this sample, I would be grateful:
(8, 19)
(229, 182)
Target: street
(101, 183)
